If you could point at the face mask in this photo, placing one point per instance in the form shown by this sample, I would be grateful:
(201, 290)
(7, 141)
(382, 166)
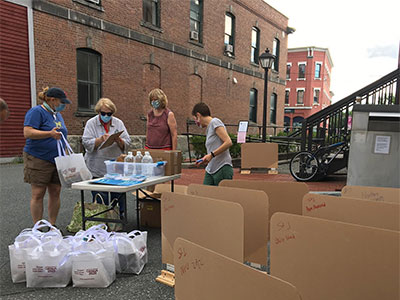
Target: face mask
(105, 118)
(156, 103)
(60, 107)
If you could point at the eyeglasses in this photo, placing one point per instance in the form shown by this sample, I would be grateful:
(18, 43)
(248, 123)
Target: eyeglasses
(106, 113)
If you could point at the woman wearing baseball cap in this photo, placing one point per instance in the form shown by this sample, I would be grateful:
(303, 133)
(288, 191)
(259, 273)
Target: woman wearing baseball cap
(43, 126)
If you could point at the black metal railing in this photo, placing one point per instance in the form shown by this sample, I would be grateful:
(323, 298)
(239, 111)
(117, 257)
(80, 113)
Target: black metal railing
(333, 124)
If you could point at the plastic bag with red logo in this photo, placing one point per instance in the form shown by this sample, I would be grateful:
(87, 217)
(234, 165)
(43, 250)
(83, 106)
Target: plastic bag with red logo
(131, 251)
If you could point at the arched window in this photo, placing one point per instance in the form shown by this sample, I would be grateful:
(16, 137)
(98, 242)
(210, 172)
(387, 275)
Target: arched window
(272, 111)
(297, 121)
(88, 77)
(229, 37)
(196, 20)
(253, 105)
(255, 45)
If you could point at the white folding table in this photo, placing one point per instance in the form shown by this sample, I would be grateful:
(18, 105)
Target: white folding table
(88, 185)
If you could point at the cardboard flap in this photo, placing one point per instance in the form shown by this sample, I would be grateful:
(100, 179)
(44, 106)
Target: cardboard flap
(256, 216)
(282, 196)
(372, 193)
(333, 260)
(259, 155)
(383, 215)
(215, 224)
(201, 273)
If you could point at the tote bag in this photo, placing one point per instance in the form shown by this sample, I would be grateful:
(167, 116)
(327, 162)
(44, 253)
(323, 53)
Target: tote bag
(72, 167)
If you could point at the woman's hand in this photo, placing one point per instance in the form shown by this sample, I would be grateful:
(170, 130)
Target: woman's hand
(98, 141)
(204, 160)
(55, 134)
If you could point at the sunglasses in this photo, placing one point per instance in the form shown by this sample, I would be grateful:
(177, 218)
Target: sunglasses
(108, 113)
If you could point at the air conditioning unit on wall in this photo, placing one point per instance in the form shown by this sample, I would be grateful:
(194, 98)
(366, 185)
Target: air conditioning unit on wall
(194, 35)
(228, 48)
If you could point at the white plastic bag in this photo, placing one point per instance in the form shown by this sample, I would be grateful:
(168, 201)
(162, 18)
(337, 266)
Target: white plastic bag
(131, 250)
(71, 168)
(49, 265)
(93, 263)
(27, 240)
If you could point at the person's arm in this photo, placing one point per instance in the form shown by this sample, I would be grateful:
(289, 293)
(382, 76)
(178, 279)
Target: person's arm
(173, 129)
(35, 134)
(226, 143)
(89, 138)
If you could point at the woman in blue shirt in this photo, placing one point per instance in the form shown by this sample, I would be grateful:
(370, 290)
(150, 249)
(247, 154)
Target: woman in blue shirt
(43, 126)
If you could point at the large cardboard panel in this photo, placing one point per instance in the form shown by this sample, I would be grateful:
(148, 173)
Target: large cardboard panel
(259, 155)
(256, 216)
(282, 196)
(201, 273)
(372, 193)
(214, 224)
(334, 260)
(383, 215)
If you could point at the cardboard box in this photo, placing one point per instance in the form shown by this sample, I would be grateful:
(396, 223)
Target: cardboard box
(173, 158)
(150, 214)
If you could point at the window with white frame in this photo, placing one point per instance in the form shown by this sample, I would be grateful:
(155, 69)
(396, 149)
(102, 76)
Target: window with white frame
(318, 67)
(316, 95)
(288, 69)
(300, 96)
(151, 12)
(229, 37)
(255, 45)
(302, 70)
(287, 94)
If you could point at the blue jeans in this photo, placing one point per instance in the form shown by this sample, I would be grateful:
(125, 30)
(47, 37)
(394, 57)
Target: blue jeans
(120, 196)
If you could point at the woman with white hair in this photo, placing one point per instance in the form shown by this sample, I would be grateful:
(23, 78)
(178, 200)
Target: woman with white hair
(97, 131)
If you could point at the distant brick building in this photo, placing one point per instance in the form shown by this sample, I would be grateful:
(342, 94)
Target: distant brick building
(308, 79)
(194, 50)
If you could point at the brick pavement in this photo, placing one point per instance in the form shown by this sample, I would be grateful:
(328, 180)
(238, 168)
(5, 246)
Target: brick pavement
(331, 183)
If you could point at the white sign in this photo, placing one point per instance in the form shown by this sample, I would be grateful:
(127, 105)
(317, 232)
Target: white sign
(243, 126)
(382, 144)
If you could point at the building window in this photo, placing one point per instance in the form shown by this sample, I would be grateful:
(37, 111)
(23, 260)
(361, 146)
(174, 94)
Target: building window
(196, 20)
(316, 96)
(287, 93)
(300, 96)
(255, 44)
(151, 12)
(297, 121)
(288, 69)
(275, 51)
(89, 78)
(97, 2)
(318, 70)
(302, 71)
(272, 111)
(253, 106)
(229, 38)
(286, 121)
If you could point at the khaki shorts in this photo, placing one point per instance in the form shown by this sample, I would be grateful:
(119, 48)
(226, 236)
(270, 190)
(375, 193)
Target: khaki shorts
(38, 171)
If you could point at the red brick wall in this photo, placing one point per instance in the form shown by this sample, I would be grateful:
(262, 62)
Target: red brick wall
(126, 74)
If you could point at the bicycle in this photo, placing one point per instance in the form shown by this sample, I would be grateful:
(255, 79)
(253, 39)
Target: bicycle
(308, 166)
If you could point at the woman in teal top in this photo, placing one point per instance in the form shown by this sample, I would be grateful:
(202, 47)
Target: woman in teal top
(43, 126)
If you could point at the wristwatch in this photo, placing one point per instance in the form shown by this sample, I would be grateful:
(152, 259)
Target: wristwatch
(212, 154)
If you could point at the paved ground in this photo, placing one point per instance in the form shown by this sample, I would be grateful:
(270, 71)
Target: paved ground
(15, 216)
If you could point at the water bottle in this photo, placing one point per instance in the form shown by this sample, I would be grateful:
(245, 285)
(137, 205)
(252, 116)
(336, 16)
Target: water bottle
(138, 160)
(129, 167)
(147, 159)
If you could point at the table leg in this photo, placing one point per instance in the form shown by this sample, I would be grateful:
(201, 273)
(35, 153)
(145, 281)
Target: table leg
(137, 210)
(172, 186)
(83, 209)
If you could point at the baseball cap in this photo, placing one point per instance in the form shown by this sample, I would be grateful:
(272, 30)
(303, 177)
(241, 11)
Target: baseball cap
(56, 92)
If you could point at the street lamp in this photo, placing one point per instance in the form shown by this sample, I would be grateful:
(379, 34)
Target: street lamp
(266, 60)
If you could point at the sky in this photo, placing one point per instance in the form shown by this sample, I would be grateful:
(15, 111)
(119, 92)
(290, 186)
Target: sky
(362, 37)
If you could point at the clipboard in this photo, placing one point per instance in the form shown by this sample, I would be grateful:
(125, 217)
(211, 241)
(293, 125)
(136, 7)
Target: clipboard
(111, 139)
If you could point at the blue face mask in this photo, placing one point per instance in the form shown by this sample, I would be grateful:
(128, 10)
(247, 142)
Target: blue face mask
(105, 119)
(156, 103)
(60, 107)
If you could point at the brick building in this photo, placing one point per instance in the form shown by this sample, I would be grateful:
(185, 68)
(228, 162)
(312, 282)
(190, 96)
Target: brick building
(308, 79)
(194, 50)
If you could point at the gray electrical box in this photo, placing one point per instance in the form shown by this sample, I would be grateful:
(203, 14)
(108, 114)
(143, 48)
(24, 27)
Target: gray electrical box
(374, 158)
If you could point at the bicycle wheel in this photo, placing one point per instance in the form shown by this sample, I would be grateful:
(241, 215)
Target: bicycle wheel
(304, 166)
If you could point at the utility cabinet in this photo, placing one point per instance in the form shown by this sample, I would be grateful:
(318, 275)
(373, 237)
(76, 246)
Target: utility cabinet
(374, 158)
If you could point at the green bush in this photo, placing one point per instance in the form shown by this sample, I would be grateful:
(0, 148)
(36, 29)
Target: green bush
(199, 146)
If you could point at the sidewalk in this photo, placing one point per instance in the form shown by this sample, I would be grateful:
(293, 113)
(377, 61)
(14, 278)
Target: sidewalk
(331, 183)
